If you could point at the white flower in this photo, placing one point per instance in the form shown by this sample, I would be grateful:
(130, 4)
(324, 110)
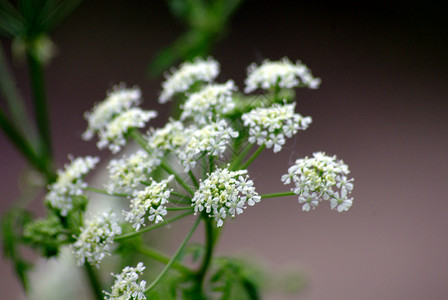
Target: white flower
(127, 173)
(126, 286)
(225, 193)
(212, 139)
(171, 137)
(271, 125)
(209, 103)
(95, 238)
(118, 100)
(69, 183)
(319, 178)
(188, 73)
(113, 135)
(152, 201)
(283, 74)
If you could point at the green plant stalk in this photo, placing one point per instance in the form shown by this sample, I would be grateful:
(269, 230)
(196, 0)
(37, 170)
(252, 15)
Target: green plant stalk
(40, 106)
(277, 195)
(173, 258)
(177, 177)
(253, 157)
(149, 228)
(103, 192)
(154, 254)
(193, 179)
(237, 161)
(94, 282)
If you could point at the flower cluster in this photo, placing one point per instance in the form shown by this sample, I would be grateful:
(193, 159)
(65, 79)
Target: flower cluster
(270, 125)
(316, 179)
(95, 238)
(70, 184)
(189, 73)
(126, 174)
(225, 193)
(126, 286)
(209, 103)
(169, 138)
(152, 201)
(212, 139)
(113, 117)
(282, 74)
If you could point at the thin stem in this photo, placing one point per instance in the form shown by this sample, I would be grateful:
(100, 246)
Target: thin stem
(100, 191)
(253, 157)
(94, 281)
(193, 179)
(40, 106)
(174, 193)
(154, 254)
(173, 258)
(240, 157)
(277, 195)
(211, 164)
(149, 228)
(177, 177)
(179, 208)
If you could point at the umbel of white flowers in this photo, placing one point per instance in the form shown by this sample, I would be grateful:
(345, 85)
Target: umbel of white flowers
(213, 118)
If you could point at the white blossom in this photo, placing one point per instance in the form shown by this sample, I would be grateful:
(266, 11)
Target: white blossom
(95, 238)
(318, 178)
(209, 103)
(188, 73)
(272, 125)
(225, 193)
(113, 135)
(282, 73)
(149, 202)
(118, 100)
(126, 284)
(127, 173)
(69, 183)
(212, 139)
(169, 138)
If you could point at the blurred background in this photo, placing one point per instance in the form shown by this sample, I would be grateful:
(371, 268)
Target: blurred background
(382, 107)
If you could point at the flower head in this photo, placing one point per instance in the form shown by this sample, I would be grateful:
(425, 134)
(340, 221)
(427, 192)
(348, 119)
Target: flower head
(271, 125)
(118, 100)
(212, 139)
(113, 135)
(169, 138)
(126, 286)
(151, 201)
(97, 234)
(318, 178)
(189, 73)
(69, 183)
(225, 193)
(209, 103)
(283, 74)
(127, 173)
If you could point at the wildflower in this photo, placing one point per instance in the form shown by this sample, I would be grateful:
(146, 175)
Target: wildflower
(319, 178)
(127, 173)
(126, 286)
(271, 125)
(95, 238)
(69, 183)
(113, 135)
(210, 102)
(283, 74)
(169, 138)
(118, 100)
(151, 201)
(225, 193)
(189, 73)
(212, 139)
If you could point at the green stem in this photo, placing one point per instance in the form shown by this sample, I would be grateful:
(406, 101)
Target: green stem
(193, 179)
(179, 208)
(177, 177)
(100, 191)
(164, 259)
(149, 228)
(210, 240)
(94, 281)
(241, 156)
(174, 193)
(211, 164)
(277, 195)
(173, 258)
(40, 106)
(253, 157)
